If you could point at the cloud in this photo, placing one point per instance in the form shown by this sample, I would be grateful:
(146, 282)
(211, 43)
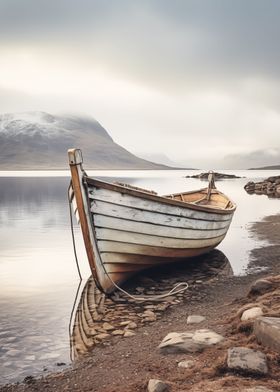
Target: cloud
(253, 159)
(189, 76)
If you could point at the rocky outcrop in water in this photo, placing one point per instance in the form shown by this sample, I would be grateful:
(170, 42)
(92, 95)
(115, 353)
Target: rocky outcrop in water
(269, 187)
(218, 176)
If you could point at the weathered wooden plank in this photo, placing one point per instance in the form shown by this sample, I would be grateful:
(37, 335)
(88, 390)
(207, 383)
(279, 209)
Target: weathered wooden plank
(154, 240)
(151, 205)
(101, 221)
(146, 250)
(118, 211)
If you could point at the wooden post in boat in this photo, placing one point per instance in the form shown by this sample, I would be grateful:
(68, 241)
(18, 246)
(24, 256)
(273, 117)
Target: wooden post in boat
(75, 162)
(211, 184)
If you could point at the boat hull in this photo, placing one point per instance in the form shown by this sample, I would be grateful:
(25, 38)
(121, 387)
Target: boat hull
(133, 233)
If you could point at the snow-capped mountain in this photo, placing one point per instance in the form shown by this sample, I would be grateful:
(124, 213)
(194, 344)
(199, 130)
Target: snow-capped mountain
(39, 140)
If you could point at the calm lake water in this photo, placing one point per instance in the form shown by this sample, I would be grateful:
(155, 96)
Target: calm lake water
(38, 276)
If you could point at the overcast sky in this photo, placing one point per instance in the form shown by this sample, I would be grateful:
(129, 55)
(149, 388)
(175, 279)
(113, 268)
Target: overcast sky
(198, 81)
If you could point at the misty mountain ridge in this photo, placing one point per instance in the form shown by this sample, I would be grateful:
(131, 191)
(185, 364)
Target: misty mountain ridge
(39, 140)
(273, 167)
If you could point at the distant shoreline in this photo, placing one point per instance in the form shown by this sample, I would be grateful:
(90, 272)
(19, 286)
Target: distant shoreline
(97, 169)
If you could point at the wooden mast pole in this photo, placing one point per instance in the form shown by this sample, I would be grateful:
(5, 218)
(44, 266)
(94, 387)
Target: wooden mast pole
(77, 173)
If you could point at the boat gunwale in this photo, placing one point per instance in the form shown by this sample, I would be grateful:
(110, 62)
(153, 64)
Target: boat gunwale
(162, 199)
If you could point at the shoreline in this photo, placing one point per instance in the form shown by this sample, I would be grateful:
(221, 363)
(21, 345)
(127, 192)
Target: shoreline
(133, 361)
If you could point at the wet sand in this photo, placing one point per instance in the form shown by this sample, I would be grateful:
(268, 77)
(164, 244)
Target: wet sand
(126, 364)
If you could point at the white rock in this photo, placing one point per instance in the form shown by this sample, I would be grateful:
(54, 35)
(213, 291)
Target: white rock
(195, 319)
(187, 364)
(251, 313)
(207, 337)
(157, 386)
(188, 342)
(30, 357)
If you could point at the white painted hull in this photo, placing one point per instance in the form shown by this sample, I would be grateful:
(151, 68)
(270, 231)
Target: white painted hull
(133, 234)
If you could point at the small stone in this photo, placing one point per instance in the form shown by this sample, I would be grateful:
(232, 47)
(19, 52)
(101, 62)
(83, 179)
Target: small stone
(157, 386)
(150, 319)
(102, 336)
(131, 325)
(251, 313)
(125, 323)
(246, 360)
(30, 357)
(107, 327)
(11, 339)
(118, 332)
(187, 364)
(13, 353)
(195, 319)
(49, 356)
(148, 313)
(128, 334)
(7, 364)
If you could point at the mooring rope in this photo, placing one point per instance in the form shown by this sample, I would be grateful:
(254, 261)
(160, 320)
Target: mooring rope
(72, 232)
(175, 290)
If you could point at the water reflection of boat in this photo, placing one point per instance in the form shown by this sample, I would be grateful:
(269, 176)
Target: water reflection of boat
(97, 316)
(126, 230)
(89, 310)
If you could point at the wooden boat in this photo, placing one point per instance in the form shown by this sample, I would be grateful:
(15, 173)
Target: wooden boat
(128, 229)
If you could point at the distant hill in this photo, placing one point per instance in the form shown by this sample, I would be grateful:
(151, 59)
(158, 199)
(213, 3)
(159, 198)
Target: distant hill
(39, 140)
(276, 167)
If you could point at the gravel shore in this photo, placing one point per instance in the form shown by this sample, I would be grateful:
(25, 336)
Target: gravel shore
(127, 363)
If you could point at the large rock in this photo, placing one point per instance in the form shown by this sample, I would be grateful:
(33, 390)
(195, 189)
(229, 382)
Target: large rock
(157, 386)
(246, 360)
(261, 286)
(267, 331)
(251, 313)
(189, 342)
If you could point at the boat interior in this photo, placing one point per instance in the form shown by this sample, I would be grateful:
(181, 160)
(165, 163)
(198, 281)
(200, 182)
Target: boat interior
(204, 197)
(211, 198)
